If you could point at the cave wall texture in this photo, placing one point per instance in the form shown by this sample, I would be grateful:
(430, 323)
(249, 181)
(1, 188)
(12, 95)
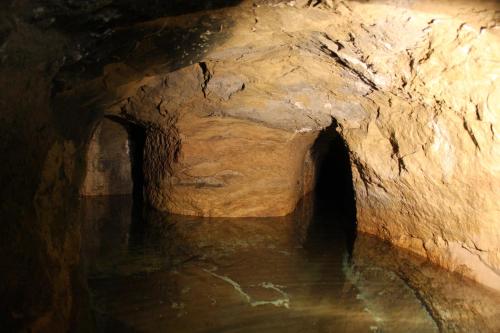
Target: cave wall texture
(231, 97)
(109, 161)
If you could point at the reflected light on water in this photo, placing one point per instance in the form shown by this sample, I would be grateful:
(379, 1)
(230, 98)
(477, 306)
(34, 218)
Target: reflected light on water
(151, 272)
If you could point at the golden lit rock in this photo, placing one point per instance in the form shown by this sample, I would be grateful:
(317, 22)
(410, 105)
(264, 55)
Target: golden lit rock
(230, 109)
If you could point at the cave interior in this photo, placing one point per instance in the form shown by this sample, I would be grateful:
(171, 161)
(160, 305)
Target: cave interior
(250, 166)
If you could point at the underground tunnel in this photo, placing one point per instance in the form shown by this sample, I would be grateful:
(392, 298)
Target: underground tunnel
(334, 192)
(249, 166)
(114, 160)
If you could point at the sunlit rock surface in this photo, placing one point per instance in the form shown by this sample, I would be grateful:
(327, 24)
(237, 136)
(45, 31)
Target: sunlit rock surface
(411, 87)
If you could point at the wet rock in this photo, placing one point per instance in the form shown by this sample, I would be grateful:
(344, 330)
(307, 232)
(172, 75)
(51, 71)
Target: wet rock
(457, 305)
(413, 111)
(411, 87)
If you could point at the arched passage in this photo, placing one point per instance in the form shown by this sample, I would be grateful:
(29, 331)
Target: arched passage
(115, 160)
(334, 197)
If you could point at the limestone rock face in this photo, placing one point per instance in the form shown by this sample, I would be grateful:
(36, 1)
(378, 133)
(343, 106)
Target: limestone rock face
(231, 101)
(230, 167)
(198, 161)
(412, 89)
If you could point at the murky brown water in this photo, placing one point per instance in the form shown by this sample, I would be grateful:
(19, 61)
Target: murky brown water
(164, 273)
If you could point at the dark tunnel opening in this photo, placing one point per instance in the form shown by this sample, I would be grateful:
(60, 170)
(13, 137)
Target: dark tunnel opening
(334, 196)
(136, 138)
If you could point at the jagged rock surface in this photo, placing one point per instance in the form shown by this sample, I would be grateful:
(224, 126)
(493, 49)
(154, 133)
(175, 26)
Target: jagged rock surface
(412, 88)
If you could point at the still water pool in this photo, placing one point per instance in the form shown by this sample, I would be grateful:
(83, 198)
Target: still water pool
(154, 272)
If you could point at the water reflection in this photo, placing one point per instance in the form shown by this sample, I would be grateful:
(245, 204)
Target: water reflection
(155, 272)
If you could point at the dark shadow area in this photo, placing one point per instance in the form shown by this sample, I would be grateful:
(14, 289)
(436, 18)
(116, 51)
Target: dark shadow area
(334, 197)
(109, 14)
(114, 31)
(136, 141)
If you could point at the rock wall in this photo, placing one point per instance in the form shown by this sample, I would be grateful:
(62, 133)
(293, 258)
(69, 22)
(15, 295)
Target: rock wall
(109, 164)
(412, 86)
(46, 48)
(438, 290)
(231, 167)
(205, 164)
(39, 236)
(417, 110)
